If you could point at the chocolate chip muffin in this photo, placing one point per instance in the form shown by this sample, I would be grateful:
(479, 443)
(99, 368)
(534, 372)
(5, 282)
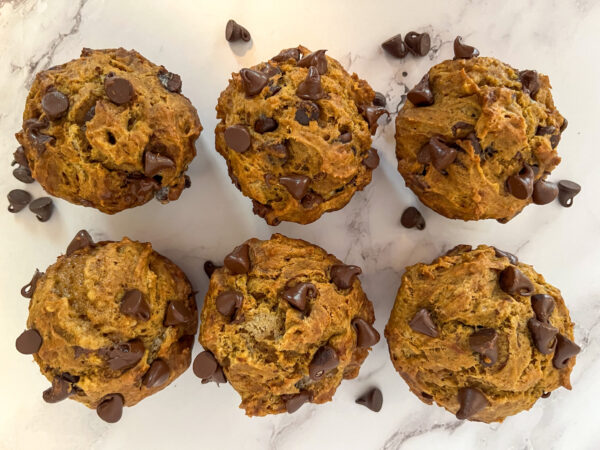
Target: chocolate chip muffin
(109, 130)
(481, 334)
(109, 324)
(296, 134)
(284, 322)
(476, 139)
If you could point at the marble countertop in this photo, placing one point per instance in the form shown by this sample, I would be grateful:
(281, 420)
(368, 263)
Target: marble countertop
(554, 37)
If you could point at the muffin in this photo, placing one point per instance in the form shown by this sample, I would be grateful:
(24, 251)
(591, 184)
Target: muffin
(481, 334)
(477, 139)
(296, 135)
(109, 324)
(284, 322)
(109, 130)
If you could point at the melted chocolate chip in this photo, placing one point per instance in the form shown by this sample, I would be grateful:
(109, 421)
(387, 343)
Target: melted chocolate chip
(110, 408)
(543, 335)
(471, 402)
(514, 282)
(229, 302)
(123, 356)
(286, 54)
(294, 402)
(157, 375)
(307, 111)
(238, 261)
(423, 323)
(530, 83)
(464, 51)
(60, 390)
(421, 94)
(466, 127)
(238, 138)
(253, 81)
(372, 399)
(38, 139)
(310, 88)
(395, 46)
(371, 161)
(485, 342)
(118, 90)
(235, 32)
(42, 208)
(155, 163)
(418, 43)
(134, 305)
(566, 191)
(297, 185)
(379, 99)
(412, 218)
(55, 104)
(178, 313)
(299, 294)
(28, 290)
(210, 267)
(542, 305)
(315, 59)
(29, 342)
(520, 185)
(502, 254)
(565, 350)
(544, 192)
(265, 124)
(270, 71)
(81, 240)
(18, 199)
(324, 360)
(366, 335)
(310, 200)
(343, 275)
(372, 114)
(438, 153)
(542, 131)
(171, 81)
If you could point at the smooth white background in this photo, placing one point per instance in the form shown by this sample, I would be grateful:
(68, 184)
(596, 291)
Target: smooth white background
(559, 38)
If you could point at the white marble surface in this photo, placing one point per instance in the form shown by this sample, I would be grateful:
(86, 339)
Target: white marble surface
(558, 37)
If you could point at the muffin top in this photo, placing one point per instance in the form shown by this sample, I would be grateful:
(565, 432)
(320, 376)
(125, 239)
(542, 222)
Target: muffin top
(296, 135)
(109, 130)
(476, 139)
(480, 333)
(286, 322)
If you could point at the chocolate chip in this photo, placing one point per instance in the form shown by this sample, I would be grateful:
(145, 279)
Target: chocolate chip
(564, 125)
(171, 81)
(458, 249)
(123, 356)
(502, 254)
(324, 360)
(208, 369)
(467, 127)
(543, 335)
(229, 302)
(345, 137)
(566, 191)
(379, 99)
(542, 131)
(311, 200)
(279, 151)
(288, 53)
(310, 88)
(418, 43)
(209, 268)
(366, 335)
(18, 199)
(178, 313)
(464, 51)
(38, 139)
(530, 83)
(421, 94)
(372, 399)
(471, 402)
(134, 305)
(546, 394)
(265, 124)
(110, 408)
(118, 90)
(55, 104)
(23, 174)
(514, 282)
(298, 295)
(81, 240)
(270, 71)
(157, 375)
(315, 59)
(485, 342)
(89, 115)
(423, 323)
(372, 114)
(42, 208)
(238, 261)
(60, 390)
(297, 185)
(412, 218)
(294, 402)
(28, 290)
(238, 138)
(565, 350)
(395, 46)
(520, 185)
(307, 111)
(544, 192)
(371, 161)
(155, 163)
(29, 342)
(187, 182)
(554, 140)
(19, 157)
(234, 32)
(438, 153)
(253, 81)
(542, 305)
(343, 275)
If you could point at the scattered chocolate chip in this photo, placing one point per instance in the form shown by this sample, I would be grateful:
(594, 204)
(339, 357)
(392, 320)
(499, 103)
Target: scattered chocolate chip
(412, 218)
(155, 163)
(471, 402)
(307, 111)
(18, 199)
(208, 369)
(324, 360)
(379, 99)
(29, 342)
(372, 114)
(60, 390)
(343, 275)
(565, 350)
(270, 71)
(238, 138)
(178, 313)
(371, 161)
(23, 174)
(39, 140)
(110, 408)
(42, 208)
(546, 394)
(464, 51)
(514, 282)
(28, 290)
(265, 124)
(123, 356)
(297, 185)
(298, 295)
(544, 192)
(366, 334)
(81, 240)
(542, 305)
(171, 81)
(238, 261)
(437, 153)
(234, 32)
(310, 88)
(229, 302)
(502, 254)
(423, 323)
(543, 335)
(468, 128)
(530, 83)
(294, 402)
(520, 185)
(209, 268)
(253, 81)
(315, 59)
(421, 94)
(485, 342)
(542, 131)
(418, 43)
(395, 46)
(372, 399)
(311, 200)
(566, 191)
(288, 53)
(118, 90)
(134, 305)
(157, 375)
(55, 104)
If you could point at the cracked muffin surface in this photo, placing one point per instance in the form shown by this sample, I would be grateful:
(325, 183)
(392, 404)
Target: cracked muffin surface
(296, 135)
(110, 130)
(478, 139)
(115, 320)
(480, 334)
(299, 323)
